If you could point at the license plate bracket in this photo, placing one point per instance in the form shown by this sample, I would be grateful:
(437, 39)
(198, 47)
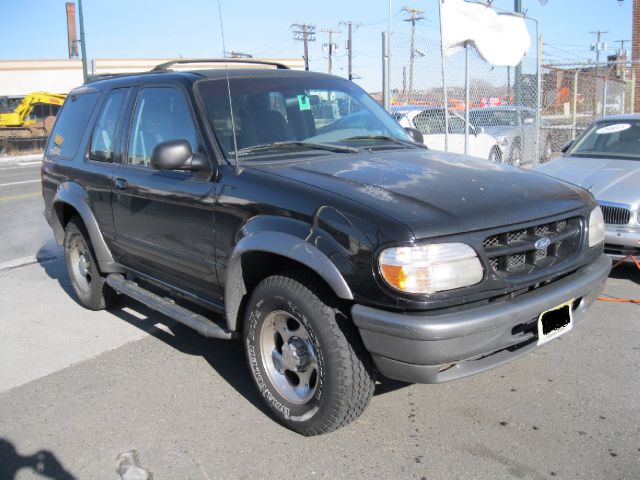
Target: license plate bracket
(555, 322)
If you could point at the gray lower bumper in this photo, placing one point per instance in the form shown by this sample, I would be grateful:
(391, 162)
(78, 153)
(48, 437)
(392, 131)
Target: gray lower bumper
(436, 348)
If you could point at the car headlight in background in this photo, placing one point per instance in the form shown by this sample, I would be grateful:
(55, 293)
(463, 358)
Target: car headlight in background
(596, 227)
(427, 269)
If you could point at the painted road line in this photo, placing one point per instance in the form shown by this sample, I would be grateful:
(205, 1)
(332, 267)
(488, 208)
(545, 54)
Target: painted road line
(27, 164)
(19, 183)
(20, 197)
(23, 261)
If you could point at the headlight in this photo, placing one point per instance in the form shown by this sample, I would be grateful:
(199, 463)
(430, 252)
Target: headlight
(596, 227)
(430, 268)
(503, 142)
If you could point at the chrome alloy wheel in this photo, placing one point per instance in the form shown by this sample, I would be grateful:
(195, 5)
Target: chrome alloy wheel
(80, 262)
(288, 357)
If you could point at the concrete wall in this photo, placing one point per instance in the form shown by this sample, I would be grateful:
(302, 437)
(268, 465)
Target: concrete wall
(20, 77)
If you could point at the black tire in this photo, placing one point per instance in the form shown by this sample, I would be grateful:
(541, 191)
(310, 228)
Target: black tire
(494, 155)
(88, 283)
(326, 345)
(515, 157)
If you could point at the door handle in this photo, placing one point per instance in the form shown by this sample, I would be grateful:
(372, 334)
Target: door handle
(120, 184)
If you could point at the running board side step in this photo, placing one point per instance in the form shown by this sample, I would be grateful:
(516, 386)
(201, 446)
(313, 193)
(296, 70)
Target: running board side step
(201, 324)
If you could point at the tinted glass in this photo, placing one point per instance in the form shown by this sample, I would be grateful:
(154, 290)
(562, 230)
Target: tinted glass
(72, 121)
(105, 131)
(492, 118)
(161, 114)
(307, 109)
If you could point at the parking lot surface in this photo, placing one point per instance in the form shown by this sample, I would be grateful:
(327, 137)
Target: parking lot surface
(81, 390)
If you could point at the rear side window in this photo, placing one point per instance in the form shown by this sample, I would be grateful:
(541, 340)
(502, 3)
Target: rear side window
(70, 126)
(103, 139)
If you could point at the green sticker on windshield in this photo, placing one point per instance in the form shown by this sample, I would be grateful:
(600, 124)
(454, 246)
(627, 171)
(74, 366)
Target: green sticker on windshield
(304, 103)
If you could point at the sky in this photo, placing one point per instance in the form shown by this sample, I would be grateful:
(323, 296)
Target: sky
(36, 29)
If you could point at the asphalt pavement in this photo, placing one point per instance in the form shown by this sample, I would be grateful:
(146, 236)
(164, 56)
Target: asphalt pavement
(100, 394)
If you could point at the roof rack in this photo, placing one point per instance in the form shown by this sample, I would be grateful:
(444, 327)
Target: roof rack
(182, 61)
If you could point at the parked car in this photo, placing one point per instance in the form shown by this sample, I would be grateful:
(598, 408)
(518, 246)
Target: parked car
(337, 250)
(430, 122)
(605, 160)
(515, 131)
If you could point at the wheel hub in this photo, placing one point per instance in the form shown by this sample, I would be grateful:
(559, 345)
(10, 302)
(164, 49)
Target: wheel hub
(83, 266)
(295, 355)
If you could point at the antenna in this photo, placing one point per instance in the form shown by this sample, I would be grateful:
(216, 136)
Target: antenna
(233, 122)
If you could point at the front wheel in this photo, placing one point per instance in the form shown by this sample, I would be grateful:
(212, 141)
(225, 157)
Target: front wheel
(494, 155)
(305, 355)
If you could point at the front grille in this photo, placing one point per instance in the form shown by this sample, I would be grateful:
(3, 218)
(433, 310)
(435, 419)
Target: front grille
(514, 253)
(615, 215)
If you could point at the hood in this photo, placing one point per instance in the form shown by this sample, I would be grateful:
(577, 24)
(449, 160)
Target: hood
(436, 193)
(607, 179)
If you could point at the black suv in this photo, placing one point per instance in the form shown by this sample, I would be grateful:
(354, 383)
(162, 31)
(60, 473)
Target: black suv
(289, 209)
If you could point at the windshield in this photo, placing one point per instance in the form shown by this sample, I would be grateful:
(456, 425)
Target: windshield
(296, 112)
(492, 118)
(611, 139)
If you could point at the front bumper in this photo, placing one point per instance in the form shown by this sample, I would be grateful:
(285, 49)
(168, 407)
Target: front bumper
(621, 241)
(440, 347)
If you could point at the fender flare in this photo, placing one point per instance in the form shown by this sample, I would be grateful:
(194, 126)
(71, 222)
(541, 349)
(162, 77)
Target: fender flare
(72, 194)
(285, 245)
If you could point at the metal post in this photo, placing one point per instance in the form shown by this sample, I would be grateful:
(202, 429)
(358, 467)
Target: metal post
(83, 43)
(632, 102)
(466, 98)
(386, 99)
(574, 106)
(517, 77)
(444, 81)
(305, 35)
(539, 82)
(604, 93)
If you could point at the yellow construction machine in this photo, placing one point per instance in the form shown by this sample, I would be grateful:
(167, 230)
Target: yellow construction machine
(32, 119)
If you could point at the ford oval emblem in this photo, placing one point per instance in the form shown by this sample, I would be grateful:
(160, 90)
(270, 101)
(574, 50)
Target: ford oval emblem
(542, 243)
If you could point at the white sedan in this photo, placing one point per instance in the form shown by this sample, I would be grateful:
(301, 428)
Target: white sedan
(430, 122)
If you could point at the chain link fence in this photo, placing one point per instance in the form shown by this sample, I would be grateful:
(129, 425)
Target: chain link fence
(503, 101)
(574, 95)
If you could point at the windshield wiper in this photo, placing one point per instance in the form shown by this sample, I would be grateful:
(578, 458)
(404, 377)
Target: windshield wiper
(385, 138)
(289, 145)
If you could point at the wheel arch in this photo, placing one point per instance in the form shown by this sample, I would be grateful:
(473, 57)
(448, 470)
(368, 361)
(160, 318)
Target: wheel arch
(274, 252)
(71, 199)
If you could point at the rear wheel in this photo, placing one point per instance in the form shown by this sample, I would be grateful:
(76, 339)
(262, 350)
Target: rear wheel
(494, 155)
(87, 281)
(305, 355)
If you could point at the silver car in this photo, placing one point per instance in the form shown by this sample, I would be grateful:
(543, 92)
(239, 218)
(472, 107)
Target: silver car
(605, 159)
(515, 130)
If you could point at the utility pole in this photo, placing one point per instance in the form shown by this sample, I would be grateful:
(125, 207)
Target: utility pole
(83, 47)
(306, 33)
(598, 46)
(350, 49)
(331, 46)
(416, 15)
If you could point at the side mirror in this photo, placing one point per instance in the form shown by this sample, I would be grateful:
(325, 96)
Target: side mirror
(176, 155)
(566, 146)
(415, 135)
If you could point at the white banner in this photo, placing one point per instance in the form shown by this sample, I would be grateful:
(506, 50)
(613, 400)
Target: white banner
(500, 38)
